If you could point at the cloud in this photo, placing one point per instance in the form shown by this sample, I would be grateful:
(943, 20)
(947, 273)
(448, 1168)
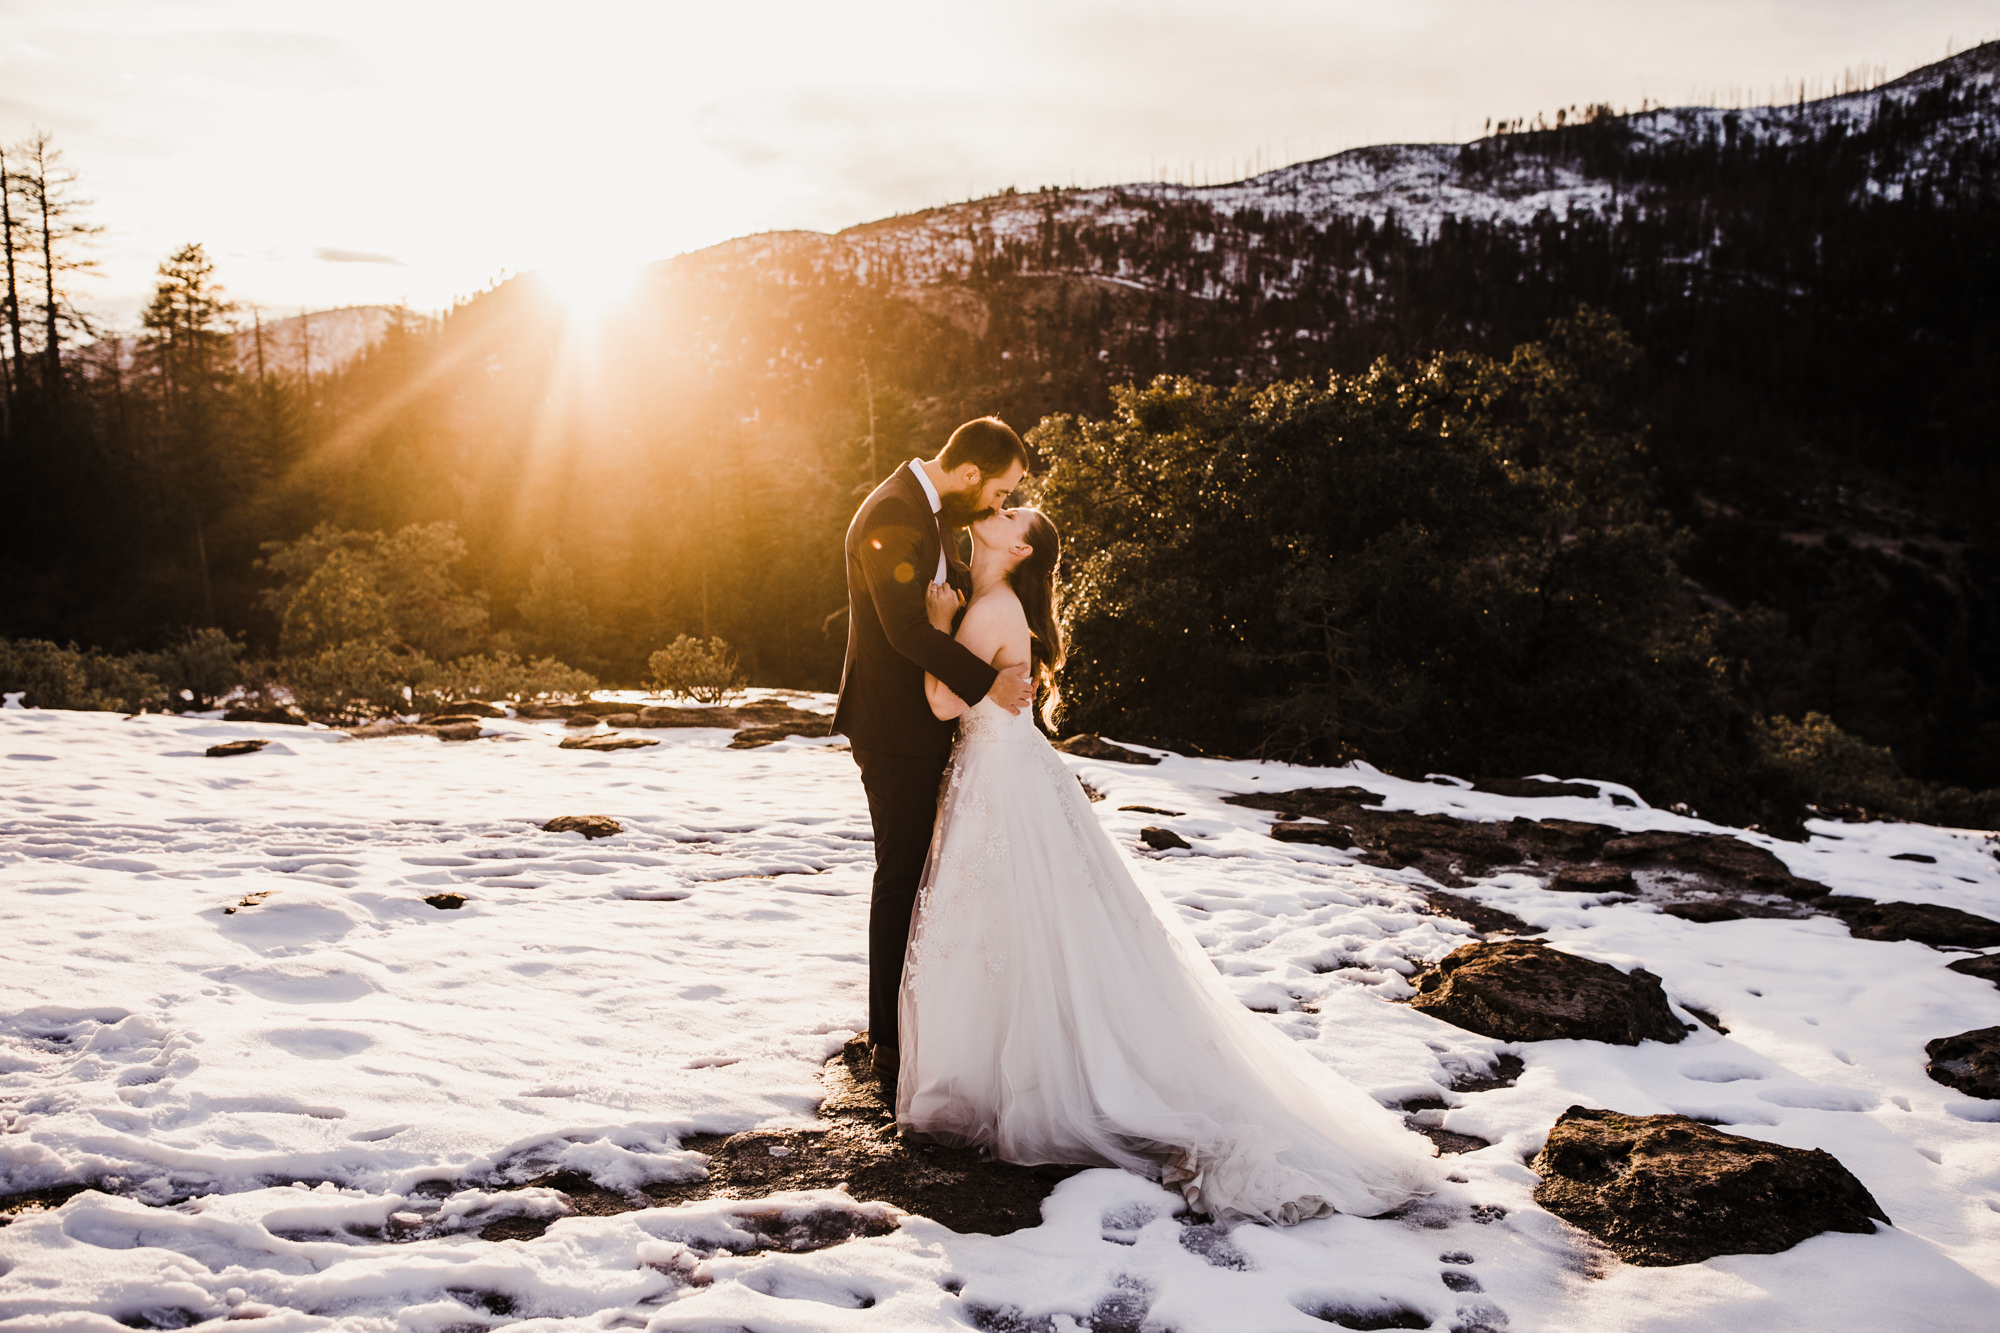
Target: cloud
(335, 255)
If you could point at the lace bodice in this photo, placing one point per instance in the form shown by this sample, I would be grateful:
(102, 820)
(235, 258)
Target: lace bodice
(987, 721)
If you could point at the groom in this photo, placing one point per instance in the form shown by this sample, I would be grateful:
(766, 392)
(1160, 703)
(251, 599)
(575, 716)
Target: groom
(900, 542)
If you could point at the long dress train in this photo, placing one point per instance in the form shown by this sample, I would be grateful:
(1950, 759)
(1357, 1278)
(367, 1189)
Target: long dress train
(1055, 1010)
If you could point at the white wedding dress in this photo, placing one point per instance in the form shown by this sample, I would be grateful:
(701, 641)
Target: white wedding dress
(1054, 1010)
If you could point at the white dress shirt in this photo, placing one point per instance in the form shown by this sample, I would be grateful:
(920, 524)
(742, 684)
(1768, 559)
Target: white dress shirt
(930, 493)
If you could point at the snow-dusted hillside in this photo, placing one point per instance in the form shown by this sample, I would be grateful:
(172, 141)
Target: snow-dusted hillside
(318, 341)
(1420, 185)
(228, 1002)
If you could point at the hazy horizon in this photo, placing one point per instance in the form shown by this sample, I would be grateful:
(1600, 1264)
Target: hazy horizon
(416, 152)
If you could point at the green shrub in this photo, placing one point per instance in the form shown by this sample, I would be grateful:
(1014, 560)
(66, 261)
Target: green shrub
(690, 668)
(1452, 564)
(497, 676)
(48, 675)
(339, 586)
(1845, 777)
(351, 682)
(197, 669)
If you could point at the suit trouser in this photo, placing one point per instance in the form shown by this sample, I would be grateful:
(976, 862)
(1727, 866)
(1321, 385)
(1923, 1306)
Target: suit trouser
(902, 806)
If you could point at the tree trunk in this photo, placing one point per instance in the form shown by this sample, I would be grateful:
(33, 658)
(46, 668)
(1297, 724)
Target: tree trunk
(13, 288)
(53, 351)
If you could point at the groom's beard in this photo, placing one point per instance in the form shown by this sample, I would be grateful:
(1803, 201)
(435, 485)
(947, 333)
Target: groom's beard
(959, 509)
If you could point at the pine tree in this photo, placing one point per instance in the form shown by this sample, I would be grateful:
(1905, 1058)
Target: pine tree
(187, 348)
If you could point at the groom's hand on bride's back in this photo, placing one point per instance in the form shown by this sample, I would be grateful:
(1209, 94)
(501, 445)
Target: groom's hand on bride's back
(1013, 689)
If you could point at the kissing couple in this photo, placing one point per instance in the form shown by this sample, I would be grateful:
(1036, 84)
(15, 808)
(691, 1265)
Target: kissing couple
(1026, 994)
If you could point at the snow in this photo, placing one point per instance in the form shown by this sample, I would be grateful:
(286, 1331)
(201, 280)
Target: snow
(1419, 184)
(303, 1109)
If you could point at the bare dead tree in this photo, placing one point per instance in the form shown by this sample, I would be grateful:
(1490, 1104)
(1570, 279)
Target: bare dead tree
(55, 216)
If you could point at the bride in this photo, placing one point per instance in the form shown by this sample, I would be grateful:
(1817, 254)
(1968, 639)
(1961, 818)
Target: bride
(1054, 1010)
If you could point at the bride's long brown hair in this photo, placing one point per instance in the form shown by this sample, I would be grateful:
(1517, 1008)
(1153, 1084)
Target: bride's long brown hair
(1034, 583)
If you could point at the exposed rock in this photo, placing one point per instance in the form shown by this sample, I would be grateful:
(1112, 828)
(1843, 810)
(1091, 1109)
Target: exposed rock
(464, 708)
(1149, 810)
(621, 719)
(283, 717)
(1093, 793)
(375, 731)
(453, 719)
(581, 720)
(590, 826)
(1161, 839)
(1703, 868)
(468, 730)
(446, 902)
(1915, 856)
(1969, 1062)
(228, 748)
(1486, 920)
(1593, 879)
(1984, 966)
(1449, 1142)
(1448, 850)
(751, 738)
(606, 742)
(1086, 746)
(856, 1148)
(762, 713)
(1927, 923)
(1706, 911)
(1664, 1189)
(1728, 859)
(1535, 787)
(1523, 990)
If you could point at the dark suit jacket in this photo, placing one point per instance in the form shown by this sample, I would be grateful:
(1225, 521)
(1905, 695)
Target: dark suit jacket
(892, 552)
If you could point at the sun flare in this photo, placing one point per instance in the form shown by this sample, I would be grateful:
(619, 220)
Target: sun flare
(591, 289)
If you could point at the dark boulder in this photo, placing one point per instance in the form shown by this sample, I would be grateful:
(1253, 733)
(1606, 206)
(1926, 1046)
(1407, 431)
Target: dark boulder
(1712, 855)
(1523, 990)
(1161, 839)
(607, 742)
(1969, 1062)
(1926, 923)
(1664, 1189)
(581, 720)
(590, 826)
(1086, 746)
(468, 730)
(754, 738)
(1984, 966)
(621, 719)
(375, 731)
(460, 709)
(1486, 920)
(1593, 879)
(283, 717)
(231, 748)
(759, 713)
(1706, 911)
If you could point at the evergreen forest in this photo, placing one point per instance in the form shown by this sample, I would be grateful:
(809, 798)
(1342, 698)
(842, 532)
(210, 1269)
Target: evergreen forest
(1695, 490)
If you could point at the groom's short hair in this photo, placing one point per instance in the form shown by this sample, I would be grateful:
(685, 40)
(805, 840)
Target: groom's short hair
(988, 443)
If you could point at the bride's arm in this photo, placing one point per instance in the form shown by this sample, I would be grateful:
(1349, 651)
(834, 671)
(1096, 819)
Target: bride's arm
(996, 630)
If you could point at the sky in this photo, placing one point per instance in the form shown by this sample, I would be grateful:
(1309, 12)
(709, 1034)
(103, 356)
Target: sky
(417, 150)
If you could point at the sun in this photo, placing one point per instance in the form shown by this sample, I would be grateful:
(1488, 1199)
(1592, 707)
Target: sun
(591, 289)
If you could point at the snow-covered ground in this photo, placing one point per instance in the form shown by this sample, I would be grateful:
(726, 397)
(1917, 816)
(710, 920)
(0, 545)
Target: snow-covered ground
(261, 1092)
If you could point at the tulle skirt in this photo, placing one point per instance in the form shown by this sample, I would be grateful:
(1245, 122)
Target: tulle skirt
(1054, 1010)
